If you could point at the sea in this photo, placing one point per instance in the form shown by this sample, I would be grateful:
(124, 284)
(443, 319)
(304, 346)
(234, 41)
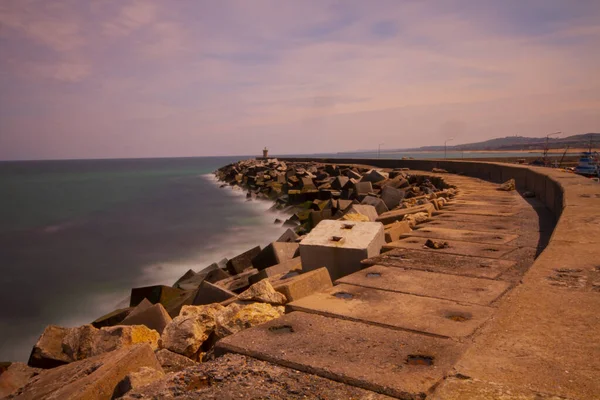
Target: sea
(77, 235)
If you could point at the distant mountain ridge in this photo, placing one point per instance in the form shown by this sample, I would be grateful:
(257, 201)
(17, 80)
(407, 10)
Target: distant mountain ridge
(515, 143)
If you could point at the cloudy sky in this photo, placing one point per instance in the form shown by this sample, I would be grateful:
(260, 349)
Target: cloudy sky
(135, 78)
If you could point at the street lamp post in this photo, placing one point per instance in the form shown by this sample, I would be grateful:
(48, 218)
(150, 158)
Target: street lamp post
(379, 150)
(446, 141)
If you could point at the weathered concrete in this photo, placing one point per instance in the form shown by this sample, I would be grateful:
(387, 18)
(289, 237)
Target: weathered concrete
(461, 234)
(430, 284)
(297, 286)
(362, 355)
(396, 310)
(340, 246)
(454, 247)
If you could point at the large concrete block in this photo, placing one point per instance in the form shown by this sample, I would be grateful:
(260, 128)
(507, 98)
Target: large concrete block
(155, 317)
(398, 215)
(340, 246)
(209, 293)
(392, 196)
(155, 294)
(375, 176)
(376, 202)
(395, 230)
(363, 209)
(363, 187)
(288, 236)
(275, 253)
(240, 262)
(282, 268)
(298, 286)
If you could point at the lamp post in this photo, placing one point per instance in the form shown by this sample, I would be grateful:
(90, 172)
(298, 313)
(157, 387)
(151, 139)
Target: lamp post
(379, 150)
(547, 147)
(446, 141)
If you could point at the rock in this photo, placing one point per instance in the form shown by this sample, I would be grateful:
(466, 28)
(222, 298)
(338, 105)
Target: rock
(240, 262)
(87, 341)
(186, 333)
(173, 362)
(209, 293)
(48, 352)
(236, 317)
(436, 244)
(416, 218)
(376, 202)
(263, 292)
(355, 217)
(136, 380)
(92, 378)
(392, 197)
(15, 377)
(155, 317)
(508, 186)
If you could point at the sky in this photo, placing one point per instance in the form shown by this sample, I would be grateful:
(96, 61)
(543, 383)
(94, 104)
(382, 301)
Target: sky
(150, 78)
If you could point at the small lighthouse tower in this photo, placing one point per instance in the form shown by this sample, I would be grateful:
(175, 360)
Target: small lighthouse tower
(265, 152)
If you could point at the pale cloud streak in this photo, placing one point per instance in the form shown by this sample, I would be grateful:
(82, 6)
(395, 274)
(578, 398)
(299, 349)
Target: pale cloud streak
(204, 77)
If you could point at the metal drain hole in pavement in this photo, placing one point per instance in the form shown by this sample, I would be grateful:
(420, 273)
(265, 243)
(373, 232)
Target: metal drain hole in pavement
(373, 275)
(417, 359)
(282, 329)
(459, 316)
(343, 295)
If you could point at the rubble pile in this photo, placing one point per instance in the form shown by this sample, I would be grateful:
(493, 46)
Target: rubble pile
(169, 329)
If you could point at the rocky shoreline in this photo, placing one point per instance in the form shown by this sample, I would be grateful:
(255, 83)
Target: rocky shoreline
(163, 344)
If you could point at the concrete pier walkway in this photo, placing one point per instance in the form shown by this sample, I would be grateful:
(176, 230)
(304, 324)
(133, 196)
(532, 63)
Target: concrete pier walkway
(479, 319)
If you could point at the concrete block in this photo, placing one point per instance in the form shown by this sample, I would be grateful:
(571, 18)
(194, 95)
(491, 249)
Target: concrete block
(376, 202)
(318, 216)
(353, 174)
(288, 236)
(240, 262)
(363, 209)
(396, 310)
(340, 246)
(363, 187)
(375, 176)
(393, 231)
(275, 253)
(296, 286)
(155, 294)
(398, 215)
(392, 196)
(238, 283)
(339, 182)
(279, 269)
(112, 318)
(155, 317)
(209, 293)
(454, 247)
(216, 275)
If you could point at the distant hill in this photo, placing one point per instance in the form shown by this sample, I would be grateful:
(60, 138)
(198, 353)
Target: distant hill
(518, 143)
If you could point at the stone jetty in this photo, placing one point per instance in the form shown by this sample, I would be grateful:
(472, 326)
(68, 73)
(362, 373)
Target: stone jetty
(407, 280)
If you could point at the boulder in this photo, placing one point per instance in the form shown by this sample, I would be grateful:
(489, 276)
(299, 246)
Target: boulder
(173, 362)
(436, 244)
(155, 317)
(263, 292)
(240, 262)
(415, 219)
(392, 197)
(275, 253)
(508, 186)
(186, 333)
(137, 379)
(15, 377)
(48, 352)
(376, 202)
(236, 317)
(209, 293)
(92, 378)
(86, 341)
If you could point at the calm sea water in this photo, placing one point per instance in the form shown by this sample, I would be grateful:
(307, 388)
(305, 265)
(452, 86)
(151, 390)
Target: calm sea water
(76, 236)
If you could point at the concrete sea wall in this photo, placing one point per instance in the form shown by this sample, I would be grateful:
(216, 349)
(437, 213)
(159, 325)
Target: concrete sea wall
(545, 335)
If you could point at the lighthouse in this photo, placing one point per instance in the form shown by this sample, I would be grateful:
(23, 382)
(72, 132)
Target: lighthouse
(265, 152)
